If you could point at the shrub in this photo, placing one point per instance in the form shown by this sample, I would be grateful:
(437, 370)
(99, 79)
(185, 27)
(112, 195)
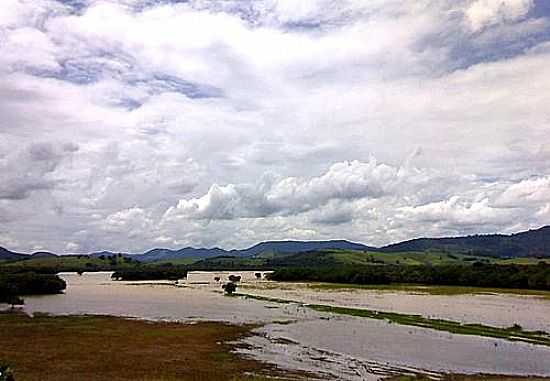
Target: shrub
(6, 373)
(229, 288)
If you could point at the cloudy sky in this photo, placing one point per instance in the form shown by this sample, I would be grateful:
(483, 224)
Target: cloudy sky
(132, 124)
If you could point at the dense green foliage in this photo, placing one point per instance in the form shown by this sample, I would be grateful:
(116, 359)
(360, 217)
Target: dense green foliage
(13, 285)
(6, 373)
(151, 273)
(71, 263)
(228, 262)
(476, 275)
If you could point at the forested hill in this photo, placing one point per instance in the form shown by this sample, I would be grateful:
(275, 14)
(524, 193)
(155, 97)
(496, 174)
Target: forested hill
(10, 255)
(532, 243)
(299, 247)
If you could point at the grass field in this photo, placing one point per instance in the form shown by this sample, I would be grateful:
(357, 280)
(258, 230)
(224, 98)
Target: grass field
(406, 258)
(434, 258)
(92, 348)
(71, 261)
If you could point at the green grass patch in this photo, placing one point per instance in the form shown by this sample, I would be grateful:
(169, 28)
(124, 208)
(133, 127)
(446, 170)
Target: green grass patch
(409, 258)
(515, 333)
(70, 263)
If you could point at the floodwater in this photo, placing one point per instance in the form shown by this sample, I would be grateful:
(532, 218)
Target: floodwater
(96, 293)
(340, 347)
(498, 310)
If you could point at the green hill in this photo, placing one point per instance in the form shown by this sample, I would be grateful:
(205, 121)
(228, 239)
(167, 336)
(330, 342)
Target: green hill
(532, 243)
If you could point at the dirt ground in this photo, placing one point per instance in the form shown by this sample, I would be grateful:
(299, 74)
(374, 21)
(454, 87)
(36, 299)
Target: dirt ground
(64, 348)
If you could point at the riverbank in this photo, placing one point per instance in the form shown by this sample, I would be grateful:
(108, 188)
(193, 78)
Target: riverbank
(65, 348)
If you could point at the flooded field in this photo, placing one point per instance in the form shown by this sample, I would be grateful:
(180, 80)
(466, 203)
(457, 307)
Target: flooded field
(342, 347)
(96, 293)
(500, 310)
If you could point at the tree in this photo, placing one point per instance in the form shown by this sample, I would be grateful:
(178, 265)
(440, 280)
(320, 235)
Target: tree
(258, 275)
(234, 278)
(5, 373)
(229, 288)
(10, 295)
(14, 300)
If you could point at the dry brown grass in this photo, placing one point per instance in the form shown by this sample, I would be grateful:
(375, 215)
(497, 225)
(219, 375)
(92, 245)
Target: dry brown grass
(107, 348)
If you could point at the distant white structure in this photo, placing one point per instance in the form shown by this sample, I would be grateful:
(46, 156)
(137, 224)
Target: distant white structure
(223, 276)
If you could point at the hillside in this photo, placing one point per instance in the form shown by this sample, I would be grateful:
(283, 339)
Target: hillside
(6, 255)
(283, 247)
(334, 258)
(532, 243)
(156, 255)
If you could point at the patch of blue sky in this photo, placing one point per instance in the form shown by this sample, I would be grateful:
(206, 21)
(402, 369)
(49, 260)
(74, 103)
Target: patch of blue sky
(541, 9)
(87, 70)
(79, 6)
(126, 103)
(144, 4)
(492, 44)
(162, 83)
(470, 53)
(76, 6)
(69, 72)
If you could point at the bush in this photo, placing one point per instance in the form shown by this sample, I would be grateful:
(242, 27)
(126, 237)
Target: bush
(13, 285)
(229, 288)
(6, 373)
(169, 273)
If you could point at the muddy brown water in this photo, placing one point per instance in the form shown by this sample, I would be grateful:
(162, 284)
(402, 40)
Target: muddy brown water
(348, 348)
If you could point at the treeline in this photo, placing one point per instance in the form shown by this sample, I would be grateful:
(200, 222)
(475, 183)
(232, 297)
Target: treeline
(14, 285)
(477, 275)
(144, 273)
(72, 263)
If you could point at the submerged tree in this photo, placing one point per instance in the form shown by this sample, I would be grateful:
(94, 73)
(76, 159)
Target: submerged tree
(6, 373)
(14, 300)
(229, 288)
(9, 295)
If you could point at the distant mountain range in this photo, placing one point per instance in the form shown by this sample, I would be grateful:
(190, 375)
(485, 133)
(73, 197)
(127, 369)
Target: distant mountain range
(532, 243)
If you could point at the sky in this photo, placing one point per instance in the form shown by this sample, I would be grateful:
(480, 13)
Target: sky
(132, 124)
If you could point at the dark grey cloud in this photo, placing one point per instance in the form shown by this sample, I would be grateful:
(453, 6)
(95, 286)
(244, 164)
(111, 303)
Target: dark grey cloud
(24, 172)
